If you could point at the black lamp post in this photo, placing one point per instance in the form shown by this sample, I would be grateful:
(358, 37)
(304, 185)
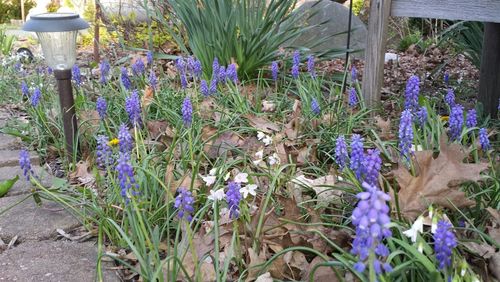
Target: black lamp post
(57, 34)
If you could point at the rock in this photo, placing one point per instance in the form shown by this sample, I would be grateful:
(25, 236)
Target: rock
(22, 186)
(11, 158)
(8, 142)
(336, 17)
(391, 57)
(31, 222)
(52, 261)
(494, 265)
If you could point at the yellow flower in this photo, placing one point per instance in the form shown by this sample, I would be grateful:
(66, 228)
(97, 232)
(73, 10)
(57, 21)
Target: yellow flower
(444, 118)
(114, 142)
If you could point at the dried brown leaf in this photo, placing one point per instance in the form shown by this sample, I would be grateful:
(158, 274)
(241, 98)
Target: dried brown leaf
(322, 273)
(385, 128)
(484, 250)
(262, 124)
(255, 260)
(268, 106)
(438, 180)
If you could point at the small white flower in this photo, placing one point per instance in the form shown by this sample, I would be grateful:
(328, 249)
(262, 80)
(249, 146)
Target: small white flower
(434, 225)
(339, 178)
(216, 195)
(274, 159)
(267, 140)
(241, 178)
(420, 247)
(260, 135)
(417, 227)
(213, 171)
(418, 148)
(249, 189)
(209, 179)
(462, 272)
(226, 177)
(259, 155)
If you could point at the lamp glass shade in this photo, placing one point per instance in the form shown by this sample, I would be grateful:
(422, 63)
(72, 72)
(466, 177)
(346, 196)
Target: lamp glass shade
(59, 48)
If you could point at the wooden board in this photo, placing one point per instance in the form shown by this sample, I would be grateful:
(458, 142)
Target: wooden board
(469, 10)
(489, 82)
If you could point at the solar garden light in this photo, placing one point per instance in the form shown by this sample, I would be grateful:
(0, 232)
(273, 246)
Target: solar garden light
(57, 34)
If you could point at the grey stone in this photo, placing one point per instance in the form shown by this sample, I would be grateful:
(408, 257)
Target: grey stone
(52, 261)
(22, 186)
(11, 158)
(336, 17)
(8, 142)
(32, 222)
(391, 57)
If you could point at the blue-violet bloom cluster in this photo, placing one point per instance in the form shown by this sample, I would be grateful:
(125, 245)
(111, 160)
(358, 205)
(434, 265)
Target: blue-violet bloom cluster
(471, 120)
(444, 242)
(456, 121)
(133, 108)
(24, 89)
(138, 67)
(371, 220)
(411, 93)
(354, 74)
(450, 98)
(125, 174)
(232, 73)
(77, 75)
(372, 164)
(184, 203)
(187, 111)
(274, 70)
(35, 98)
(233, 198)
(25, 164)
(104, 153)
(405, 134)
(357, 156)
(149, 58)
(125, 79)
(125, 141)
(295, 64)
(153, 81)
(341, 152)
(101, 107)
(422, 116)
(483, 139)
(310, 66)
(104, 68)
(204, 88)
(315, 108)
(353, 97)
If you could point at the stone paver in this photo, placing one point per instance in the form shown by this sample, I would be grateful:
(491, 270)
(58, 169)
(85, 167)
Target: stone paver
(22, 186)
(32, 222)
(11, 158)
(52, 261)
(8, 142)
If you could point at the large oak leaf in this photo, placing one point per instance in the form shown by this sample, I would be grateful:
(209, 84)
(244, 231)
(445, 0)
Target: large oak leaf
(437, 180)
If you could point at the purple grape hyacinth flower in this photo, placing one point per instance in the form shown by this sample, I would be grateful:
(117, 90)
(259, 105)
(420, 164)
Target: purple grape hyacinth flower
(295, 65)
(50, 71)
(138, 67)
(450, 98)
(353, 97)
(310, 66)
(371, 220)
(357, 156)
(372, 163)
(354, 74)
(104, 153)
(180, 64)
(471, 120)
(101, 107)
(222, 75)
(125, 79)
(153, 81)
(233, 198)
(104, 68)
(483, 139)
(232, 74)
(213, 86)
(196, 67)
(184, 203)
(446, 78)
(215, 69)
(133, 108)
(149, 58)
(35, 98)
(411, 93)
(456, 122)
(126, 176)
(444, 242)
(24, 89)
(187, 111)
(315, 108)
(204, 88)
(405, 134)
(422, 116)
(76, 75)
(125, 139)
(274, 70)
(341, 152)
(25, 164)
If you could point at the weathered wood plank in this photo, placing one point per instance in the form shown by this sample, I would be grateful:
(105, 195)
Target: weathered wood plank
(477, 10)
(489, 82)
(374, 53)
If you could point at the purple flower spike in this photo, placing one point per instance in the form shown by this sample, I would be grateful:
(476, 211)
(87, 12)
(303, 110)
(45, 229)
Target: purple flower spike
(180, 64)
(296, 57)
(353, 97)
(138, 67)
(233, 198)
(295, 65)
(24, 89)
(315, 108)
(184, 203)
(232, 74)
(104, 68)
(446, 78)
(471, 120)
(274, 70)
(357, 156)
(354, 74)
(153, 81)
(444, 242)
(310, 66)
(215, 69)
(213, 86)
(222, 75)
(187, 111)
(104, 153)
(405, 134)
(133, 108)
(125, 174)
(35, 98)
(125, 79)
(450, 98)
(483, 139)
(204, 88)
(76, 75)
(197, 70)
(372, 164)
(371, 220)
(149, 58)
(101, 107)
(411, 93)
(422, 116)
(25, 164)
(125, 140)
(456, 122)
(341, 152)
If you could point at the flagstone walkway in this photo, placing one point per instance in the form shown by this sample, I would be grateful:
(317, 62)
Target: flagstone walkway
(31, 249)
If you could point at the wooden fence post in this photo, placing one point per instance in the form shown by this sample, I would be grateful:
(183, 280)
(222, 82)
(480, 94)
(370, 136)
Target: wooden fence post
(375, 50)
(489, 82)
